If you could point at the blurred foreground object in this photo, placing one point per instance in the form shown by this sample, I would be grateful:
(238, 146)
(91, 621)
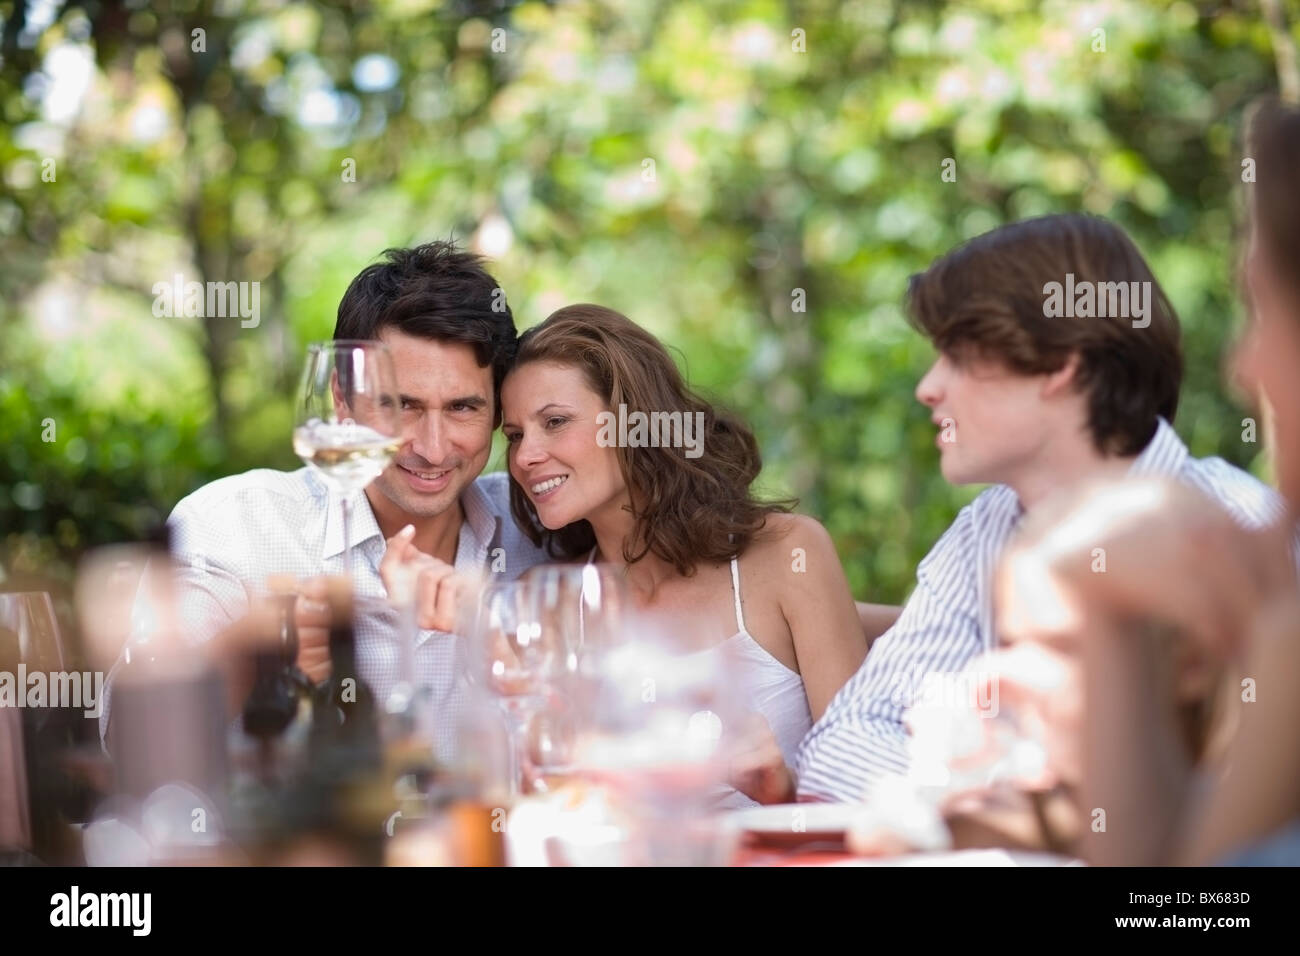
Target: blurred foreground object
(168, 728)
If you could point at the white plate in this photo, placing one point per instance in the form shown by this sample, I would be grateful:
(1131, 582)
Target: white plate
(964, 858)
(796, 820)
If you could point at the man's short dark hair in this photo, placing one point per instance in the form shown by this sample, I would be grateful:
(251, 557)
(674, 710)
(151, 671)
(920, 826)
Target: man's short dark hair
(987, 299)
(433, 291)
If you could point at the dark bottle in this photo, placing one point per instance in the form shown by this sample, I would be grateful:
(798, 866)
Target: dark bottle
(280, 689)
(340, 792)
(343, 710)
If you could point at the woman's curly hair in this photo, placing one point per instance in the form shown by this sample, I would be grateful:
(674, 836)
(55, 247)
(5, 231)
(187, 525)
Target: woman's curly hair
(686, 510)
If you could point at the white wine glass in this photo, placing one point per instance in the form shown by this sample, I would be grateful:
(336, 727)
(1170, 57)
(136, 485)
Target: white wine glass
(348, 418)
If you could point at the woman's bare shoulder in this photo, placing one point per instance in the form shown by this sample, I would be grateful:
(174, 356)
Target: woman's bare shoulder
(789, 543)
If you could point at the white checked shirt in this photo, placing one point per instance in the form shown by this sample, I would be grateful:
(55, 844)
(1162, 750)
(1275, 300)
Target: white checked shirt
(229, 536)
(948, 620)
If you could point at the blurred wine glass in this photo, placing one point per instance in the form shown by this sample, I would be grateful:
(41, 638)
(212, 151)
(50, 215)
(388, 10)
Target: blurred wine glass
(585, 605)
(348, 418)
(655, 734)
(29, 635)
(514, 658)
(970, 740)
(29, 631)
(581, 609)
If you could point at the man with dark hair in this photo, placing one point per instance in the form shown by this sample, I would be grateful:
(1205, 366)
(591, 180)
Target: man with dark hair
(452, 336)
(1059, 360)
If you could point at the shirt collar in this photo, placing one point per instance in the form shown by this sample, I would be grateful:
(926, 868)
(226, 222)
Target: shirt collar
(1165, 454)
(361, 518)
(484, 524)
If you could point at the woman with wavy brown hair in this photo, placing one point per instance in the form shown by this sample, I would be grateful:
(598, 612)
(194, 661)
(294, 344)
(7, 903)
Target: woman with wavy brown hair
(613, 458)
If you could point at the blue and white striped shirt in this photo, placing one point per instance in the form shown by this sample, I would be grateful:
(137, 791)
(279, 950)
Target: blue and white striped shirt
(948, 621)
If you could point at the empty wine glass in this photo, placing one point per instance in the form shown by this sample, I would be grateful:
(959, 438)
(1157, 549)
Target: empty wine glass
(582, 607)
(584, 604)
(348, 418)
(29, 635)
(28, 624)
(514, 658)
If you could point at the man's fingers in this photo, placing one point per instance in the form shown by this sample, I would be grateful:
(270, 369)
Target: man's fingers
(398, 551)
(447, 603)
(314, 653)
(313, 641)
(318, 672)
(311, 612)
(436, 598)
(308, 613)
(435, 583)
(316, 589)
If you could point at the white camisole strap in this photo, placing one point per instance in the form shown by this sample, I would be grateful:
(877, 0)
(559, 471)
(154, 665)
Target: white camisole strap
(735, 590)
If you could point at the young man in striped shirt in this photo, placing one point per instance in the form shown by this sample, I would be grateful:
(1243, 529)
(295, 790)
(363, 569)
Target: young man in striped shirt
(1059, 361)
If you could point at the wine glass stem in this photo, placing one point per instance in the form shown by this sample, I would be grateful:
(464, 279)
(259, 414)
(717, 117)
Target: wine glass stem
(347, 537)
(516, 727)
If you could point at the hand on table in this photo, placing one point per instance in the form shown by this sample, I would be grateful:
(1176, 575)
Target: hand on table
(757, 767)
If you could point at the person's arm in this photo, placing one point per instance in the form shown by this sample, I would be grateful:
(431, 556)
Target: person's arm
(877, 619)
(1136, 767)
(818, 607)
(1139, 747)
(1139, 766)
(828, 643)
(1258, 788)
(861, 737)
(207, 550)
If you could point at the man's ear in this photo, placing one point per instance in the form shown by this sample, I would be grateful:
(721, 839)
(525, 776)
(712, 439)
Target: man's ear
(1063, 379)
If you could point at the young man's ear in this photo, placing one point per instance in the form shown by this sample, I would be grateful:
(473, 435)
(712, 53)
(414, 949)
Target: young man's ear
(1063, 379)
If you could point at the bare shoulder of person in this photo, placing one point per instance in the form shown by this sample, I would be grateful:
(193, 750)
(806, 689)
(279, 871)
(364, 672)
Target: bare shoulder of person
(785, 533)
(789, 547)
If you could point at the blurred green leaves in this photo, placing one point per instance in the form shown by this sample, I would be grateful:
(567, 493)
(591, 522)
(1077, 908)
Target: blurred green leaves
(679, 161)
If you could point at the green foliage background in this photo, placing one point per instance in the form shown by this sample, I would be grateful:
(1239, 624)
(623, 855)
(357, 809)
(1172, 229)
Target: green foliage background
(775, 169)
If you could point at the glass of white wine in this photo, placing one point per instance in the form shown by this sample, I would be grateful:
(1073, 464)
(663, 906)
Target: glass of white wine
(348, 418)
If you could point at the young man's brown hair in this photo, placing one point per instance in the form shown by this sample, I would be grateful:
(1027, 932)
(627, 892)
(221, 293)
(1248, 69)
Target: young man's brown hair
(989, 299)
